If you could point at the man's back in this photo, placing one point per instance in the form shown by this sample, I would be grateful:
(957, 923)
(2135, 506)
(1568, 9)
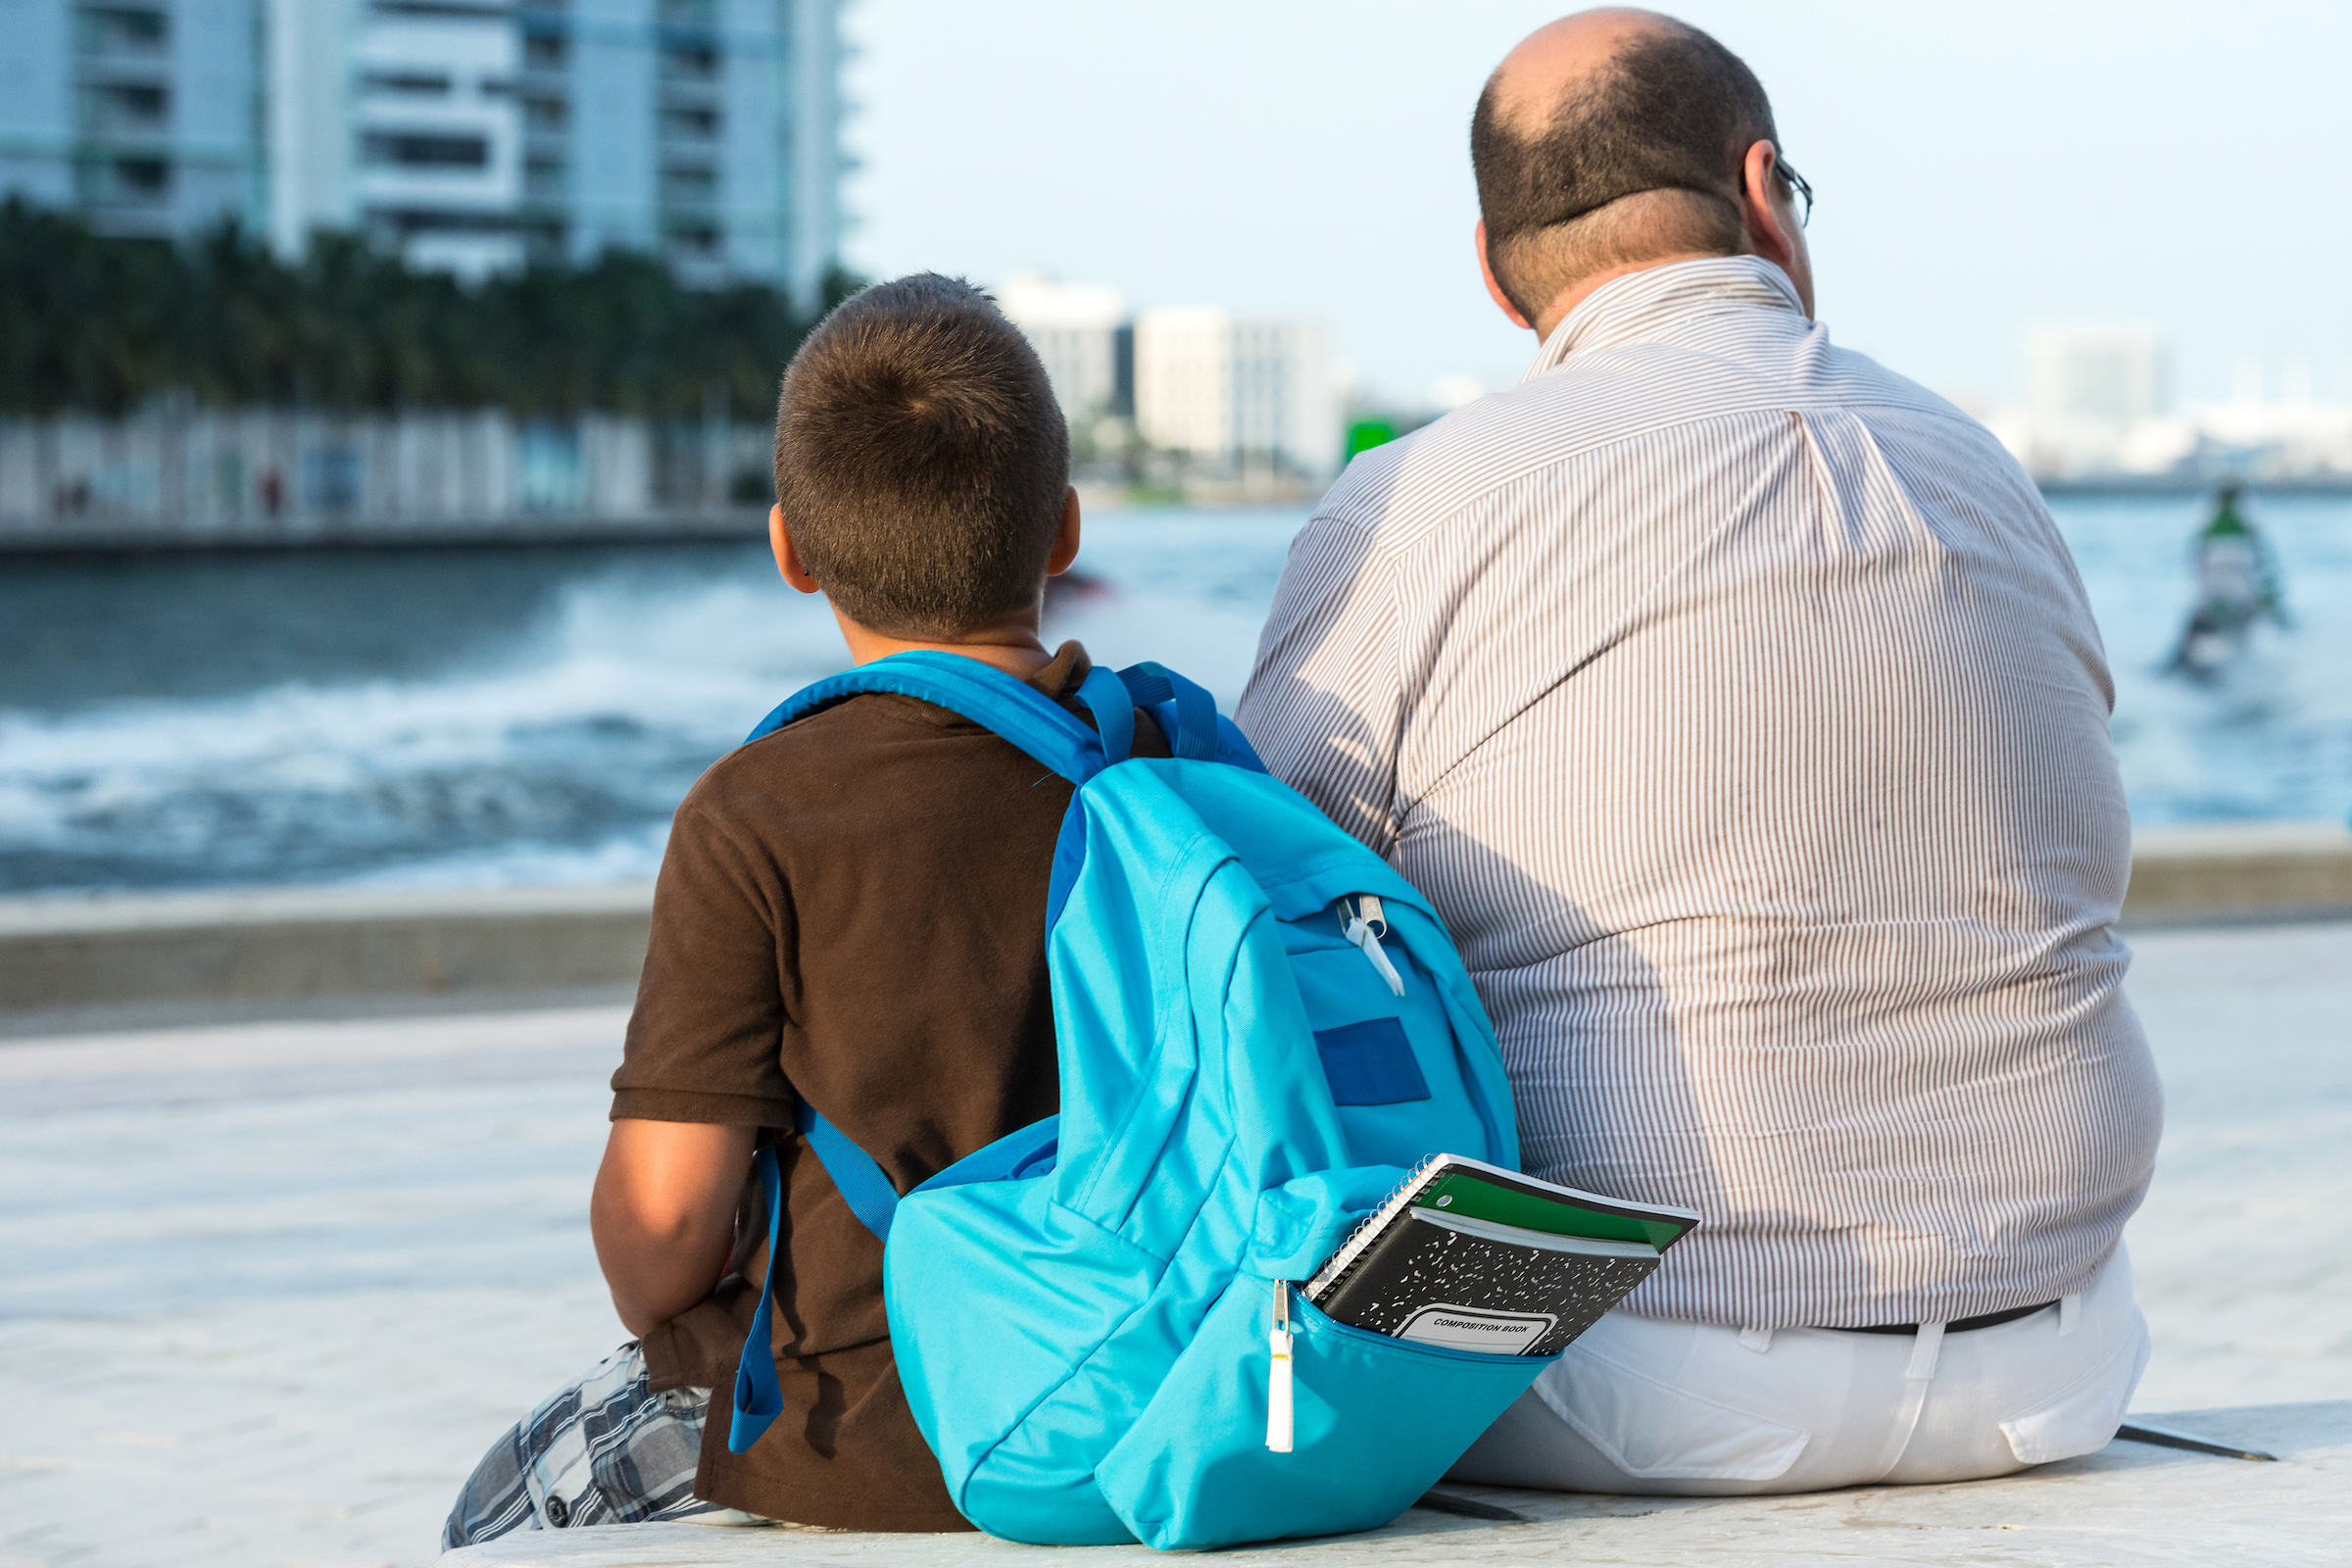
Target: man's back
(1740, 707)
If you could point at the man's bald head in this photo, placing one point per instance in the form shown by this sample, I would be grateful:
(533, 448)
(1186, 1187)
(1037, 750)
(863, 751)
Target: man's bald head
(1611, 138)
(1526, 86)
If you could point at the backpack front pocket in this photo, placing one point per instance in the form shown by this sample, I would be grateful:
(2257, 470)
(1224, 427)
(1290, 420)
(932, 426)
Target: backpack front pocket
(1375, 1423)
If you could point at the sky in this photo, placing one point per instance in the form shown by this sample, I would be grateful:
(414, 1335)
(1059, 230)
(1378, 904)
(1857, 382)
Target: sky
(1981, 168)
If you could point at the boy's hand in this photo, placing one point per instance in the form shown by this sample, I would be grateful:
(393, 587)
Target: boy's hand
(664, 1213)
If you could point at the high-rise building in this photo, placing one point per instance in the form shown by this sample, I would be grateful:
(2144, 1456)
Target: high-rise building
(1082, 333)
(439, 143)
(471, 135)
(1234, 391)
(140, 116)
(303, 174)
(707, 131)
(2095, 375)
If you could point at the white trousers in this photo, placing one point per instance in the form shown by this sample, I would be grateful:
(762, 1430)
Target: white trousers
(1652, 1405)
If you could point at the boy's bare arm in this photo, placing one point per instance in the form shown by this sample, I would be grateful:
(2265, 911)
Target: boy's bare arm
(664, 1213)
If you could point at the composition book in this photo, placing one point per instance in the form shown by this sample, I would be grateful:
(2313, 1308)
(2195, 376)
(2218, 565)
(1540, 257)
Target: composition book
(1476, 1257)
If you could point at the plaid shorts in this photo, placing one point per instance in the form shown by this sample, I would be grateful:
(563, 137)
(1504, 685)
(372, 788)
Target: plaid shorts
(605, 1450)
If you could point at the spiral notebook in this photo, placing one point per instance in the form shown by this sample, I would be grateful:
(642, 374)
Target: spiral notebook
(1471, 1256)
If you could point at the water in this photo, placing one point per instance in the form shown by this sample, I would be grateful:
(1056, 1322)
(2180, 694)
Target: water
(533, 716)
(2274, 738)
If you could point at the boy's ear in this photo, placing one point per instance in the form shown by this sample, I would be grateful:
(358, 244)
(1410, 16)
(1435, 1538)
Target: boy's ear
(1066, 538)
(788, 559)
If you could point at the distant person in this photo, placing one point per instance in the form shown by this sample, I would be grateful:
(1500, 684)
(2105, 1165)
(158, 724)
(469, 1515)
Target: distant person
(854, 905)
(2238, 588)
(1738, 704)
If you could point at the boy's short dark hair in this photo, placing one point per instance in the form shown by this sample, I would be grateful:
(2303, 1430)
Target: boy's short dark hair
(921, 459)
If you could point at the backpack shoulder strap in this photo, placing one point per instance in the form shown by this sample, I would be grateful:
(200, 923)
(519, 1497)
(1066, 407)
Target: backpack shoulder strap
(1013, 710)
(759, 1397)
(856, 1174)
(1188, 716)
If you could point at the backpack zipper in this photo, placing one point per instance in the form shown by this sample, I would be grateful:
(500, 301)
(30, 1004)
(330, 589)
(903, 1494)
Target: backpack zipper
(1278, 1372)
(1364, 927)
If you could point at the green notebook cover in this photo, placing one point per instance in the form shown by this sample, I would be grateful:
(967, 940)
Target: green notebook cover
(1464, 1189)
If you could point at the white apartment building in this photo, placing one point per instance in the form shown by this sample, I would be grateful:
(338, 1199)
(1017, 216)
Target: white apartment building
(705, 130)
(2096, 408)
(2094, 373)
(2095, 401)
(439, 137)
(1234, 391)
(1081, 331)
(140, 117)
(470, 133)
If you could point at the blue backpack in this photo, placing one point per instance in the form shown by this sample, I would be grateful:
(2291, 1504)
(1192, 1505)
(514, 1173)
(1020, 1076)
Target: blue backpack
(1260, 1028)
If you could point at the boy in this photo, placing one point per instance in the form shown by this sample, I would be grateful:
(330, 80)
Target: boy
(852, 908)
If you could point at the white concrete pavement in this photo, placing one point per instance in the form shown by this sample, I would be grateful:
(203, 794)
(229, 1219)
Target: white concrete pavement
(2128, 1507)
(267, 1291)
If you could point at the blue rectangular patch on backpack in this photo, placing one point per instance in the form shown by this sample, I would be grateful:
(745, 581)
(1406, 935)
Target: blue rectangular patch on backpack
(1370, 1063)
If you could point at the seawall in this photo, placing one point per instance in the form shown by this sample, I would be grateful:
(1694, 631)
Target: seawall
(258, 478)
(107, 536)
(289, 943)
(279, 945)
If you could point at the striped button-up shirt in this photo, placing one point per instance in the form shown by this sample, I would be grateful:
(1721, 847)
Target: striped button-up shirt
(1738, 704)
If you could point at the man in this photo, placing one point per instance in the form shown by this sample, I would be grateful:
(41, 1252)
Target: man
(1740, 707)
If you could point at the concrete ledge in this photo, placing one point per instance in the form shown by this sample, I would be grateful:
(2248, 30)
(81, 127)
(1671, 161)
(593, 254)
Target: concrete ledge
(85, 536)
(2261, 871)
(302, 942)
(2126, 1504)
(127, 950)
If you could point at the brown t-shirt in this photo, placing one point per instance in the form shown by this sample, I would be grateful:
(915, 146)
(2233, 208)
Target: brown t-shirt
(852, 908)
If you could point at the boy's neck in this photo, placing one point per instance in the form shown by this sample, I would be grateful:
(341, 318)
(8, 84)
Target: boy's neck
(1013, 645)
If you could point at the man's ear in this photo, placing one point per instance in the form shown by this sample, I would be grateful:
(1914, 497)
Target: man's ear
(788, 559)
(1065, 537)
(1769, 219)
(1495, 291)
(1770, 231)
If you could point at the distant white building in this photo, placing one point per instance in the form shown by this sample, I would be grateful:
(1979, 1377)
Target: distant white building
(438, 133)
(2095, 398)
(1081, 331)
(2102, 375)
(706, 131)
(1234, 391)
(470, 133)
(140, 117)
(303, 179)
(2096, 408)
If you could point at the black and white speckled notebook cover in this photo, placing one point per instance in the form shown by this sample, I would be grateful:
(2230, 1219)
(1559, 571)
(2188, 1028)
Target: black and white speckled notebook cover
(1472, 1284)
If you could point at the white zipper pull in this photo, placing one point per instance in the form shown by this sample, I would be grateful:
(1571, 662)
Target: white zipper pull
(1364, 928)
(1278, 1372)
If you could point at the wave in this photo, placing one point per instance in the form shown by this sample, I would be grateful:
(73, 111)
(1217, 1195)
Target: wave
(555, 750)
(561, 763)
(2269, 739)
(560, 756)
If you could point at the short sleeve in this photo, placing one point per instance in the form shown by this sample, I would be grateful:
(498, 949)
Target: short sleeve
(704, 1040)
(1324, 704)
